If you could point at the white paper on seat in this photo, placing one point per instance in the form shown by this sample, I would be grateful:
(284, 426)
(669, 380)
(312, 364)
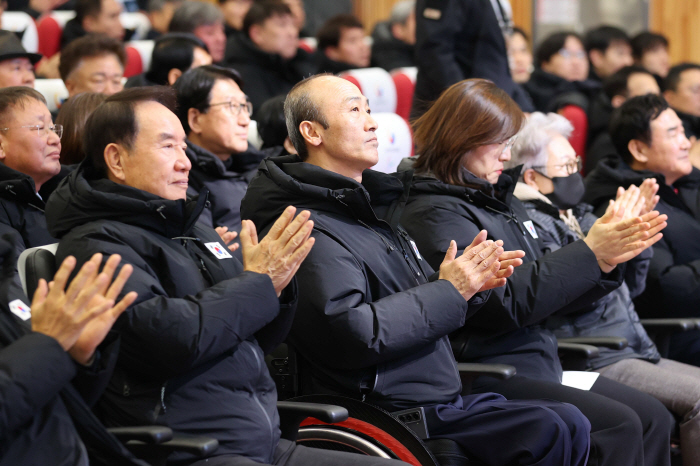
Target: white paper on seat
(579, 379)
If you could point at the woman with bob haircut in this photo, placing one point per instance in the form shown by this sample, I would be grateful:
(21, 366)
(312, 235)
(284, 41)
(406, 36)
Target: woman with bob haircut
(459, 188)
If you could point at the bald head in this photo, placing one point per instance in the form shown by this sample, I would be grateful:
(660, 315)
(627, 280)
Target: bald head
(302, 104)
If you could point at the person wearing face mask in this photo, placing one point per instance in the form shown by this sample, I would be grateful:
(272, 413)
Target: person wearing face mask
(551, 190)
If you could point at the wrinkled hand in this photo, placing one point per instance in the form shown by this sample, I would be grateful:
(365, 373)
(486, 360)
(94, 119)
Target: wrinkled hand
(636, 201)
(614, 240)
(282, 251)
(96, 330)
(471, 271)
(227, 237)
(64, 314)
(509, 260)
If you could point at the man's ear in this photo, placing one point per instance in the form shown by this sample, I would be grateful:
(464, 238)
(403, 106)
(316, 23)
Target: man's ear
(332, 53)
(669, 95)
(596, 57)
(114, 158)
(529, 178)
(173, 75)
(638, 150)
(254, 33)
(617, 101)
(88, 23)
(3, 154)
(310, 132)
(193, 120)
(70, 85)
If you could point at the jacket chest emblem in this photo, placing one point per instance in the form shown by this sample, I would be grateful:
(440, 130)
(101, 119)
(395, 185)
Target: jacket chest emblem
(218, 250)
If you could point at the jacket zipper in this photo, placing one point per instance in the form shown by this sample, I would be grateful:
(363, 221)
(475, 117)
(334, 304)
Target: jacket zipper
(257, 400)
(512, 217)
(389, 247)
(162, 396)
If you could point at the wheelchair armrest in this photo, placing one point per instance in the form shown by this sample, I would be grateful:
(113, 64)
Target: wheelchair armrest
(499, 371)
(616, 343)
(578, 350)
(146, 434)
(292, 413)
(670, 325)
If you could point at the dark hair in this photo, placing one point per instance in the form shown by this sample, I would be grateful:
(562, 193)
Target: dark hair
(298, 107)
(552, 44)
(73, 115)
(633, 121)
(272, 125)
(602, 37)
(193, 89)
(16, 96)
(517, 30)
(329, 34)
(616, 83)
(645, 42)
(115, 122)
(192, 14)
(674, 75)
(85, 8)
(92, 45)
(172, 50)
(261, 11)
(469, 114)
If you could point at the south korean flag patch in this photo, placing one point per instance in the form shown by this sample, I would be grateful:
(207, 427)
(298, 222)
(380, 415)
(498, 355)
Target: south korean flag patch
(20, 309)
(531, 228)
(218, 250)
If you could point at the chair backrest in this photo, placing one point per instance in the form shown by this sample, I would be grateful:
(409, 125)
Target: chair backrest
(376, 84)
(36, 263)
(136, 21)
(134, 65)
(395, 141)
(145, 50)
(18, 21)
(53, 90)
(254, 138)
(308, 43)
(578, 118)
(405, 82)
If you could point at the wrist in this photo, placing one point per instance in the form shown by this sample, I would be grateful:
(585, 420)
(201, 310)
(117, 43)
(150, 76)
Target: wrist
(605, 266)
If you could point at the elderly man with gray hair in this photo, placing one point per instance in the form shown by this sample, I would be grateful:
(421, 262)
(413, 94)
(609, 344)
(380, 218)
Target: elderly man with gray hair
(205, 21)
(394, 40)
(551, 189)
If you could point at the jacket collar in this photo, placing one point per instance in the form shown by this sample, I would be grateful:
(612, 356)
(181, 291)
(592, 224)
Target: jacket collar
(18, 187)
(210, 164)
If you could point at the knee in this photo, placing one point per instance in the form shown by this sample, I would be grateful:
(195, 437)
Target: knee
(656, 418)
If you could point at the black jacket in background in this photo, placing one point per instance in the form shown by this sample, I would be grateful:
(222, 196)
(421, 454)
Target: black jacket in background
(550, 92)
(226, 182)
(191, 354)
(265, 75)
(600, 148)
(369, 325)
(611, 315)
(507, 329)
(389, 52)
(326, 65)
(139, 80)
(673, 281)
(691, 124)
(22, 210)
(599, 112)
(464, 42)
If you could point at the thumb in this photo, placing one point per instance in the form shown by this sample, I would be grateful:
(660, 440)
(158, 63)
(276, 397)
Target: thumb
(451, 253)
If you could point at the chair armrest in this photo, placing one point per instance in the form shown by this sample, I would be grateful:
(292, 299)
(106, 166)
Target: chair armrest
(616, 343)
(578, 350)
(146, 434)
(199, 447)
(670, 325)
(292, 413)
(499, 371)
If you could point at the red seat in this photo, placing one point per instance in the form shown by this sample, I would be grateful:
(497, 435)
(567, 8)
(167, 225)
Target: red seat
(134, 64)
(405, 85)
(50, 33)
(578, 118)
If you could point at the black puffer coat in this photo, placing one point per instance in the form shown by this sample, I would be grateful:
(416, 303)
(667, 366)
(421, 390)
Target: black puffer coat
(550, 92)
(673, 281)
(611, 315)
(507, 329)
(191, 356)
(369, 324)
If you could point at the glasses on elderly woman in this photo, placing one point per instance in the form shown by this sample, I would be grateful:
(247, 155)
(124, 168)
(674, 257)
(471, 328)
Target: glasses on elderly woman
(508, 144)
(571, 166)
(43, 130)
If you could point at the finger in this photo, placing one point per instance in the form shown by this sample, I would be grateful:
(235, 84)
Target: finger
(473, 252)
(228, 237)
(505, 273)
(297, 225)
(221, 230)
(451, 253)
(298, 239)
(42, 290)
(249, 236)
(110, 267)
(490, 271)
(118, 284)
(657, 228)
(84, 278)
(620, 192)
(510, 262)
(58, 284)
(81, 303)
(628, 223)
(654, 214)
(124, 304)
(282, 222)
(478, 239)
(488, 256)
(507, 255)
(234, 247)
(300, 254)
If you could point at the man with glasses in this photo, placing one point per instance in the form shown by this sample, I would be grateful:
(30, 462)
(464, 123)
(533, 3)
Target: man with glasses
(216, 114)
(30, 146)
(94, 63)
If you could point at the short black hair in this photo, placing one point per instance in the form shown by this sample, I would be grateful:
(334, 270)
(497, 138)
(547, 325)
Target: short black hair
(172, 50)
(272, 126)
(114, 121)
(85, 8)
(552, 44)
(517, 30)
(674, 75)
(616, 83)
(329, 34)
(632, 120)
(16, 96)
(261, 11)
(91, 45)
(602, 37)
(645, 42)
(193, 14)
(193, 89)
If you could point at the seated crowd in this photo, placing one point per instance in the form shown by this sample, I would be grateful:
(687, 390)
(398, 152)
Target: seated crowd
(186, 254)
